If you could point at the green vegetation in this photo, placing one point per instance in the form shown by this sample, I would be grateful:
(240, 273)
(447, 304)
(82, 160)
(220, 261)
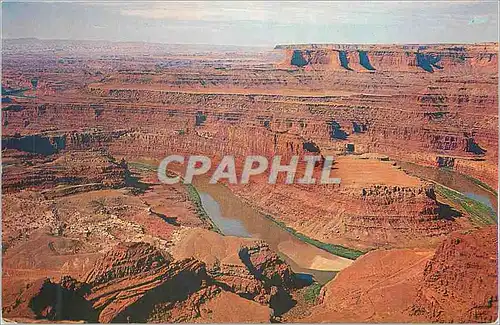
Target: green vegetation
(312, 292)
(436, 115)
(481, 184)
(480, 213)
(202, 214)
(338, 250)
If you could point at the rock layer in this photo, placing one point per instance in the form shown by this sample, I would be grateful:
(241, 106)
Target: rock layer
(395, 58)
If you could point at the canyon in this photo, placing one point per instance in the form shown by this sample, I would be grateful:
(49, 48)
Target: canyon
(85, 125)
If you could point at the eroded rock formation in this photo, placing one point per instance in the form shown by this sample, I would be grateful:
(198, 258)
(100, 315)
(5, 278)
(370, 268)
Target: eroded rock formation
(429, 58)
(136, 282)
(376, 205)
(417, 285)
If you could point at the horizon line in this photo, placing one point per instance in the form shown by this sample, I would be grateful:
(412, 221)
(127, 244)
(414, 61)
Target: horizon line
(257, 45)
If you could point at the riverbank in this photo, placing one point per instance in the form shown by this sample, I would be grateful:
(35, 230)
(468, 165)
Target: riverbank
(334, 249)
(474, 180)
(464, 193)
(194, 197)
(238, 217)
(480, 214)
(192, 193)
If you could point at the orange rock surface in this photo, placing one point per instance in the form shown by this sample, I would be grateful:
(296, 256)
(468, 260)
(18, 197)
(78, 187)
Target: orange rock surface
(137, 282)
(418, 286)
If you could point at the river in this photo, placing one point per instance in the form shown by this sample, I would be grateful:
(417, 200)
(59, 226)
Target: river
(234, 217)
(453, 180)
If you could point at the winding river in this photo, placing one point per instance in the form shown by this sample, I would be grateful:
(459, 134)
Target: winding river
(236, 218)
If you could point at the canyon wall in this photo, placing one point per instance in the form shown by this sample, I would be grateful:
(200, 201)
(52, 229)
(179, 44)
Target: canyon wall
(138, 107)
(392, 58)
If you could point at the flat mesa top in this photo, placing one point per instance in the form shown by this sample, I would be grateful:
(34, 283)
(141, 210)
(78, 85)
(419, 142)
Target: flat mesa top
(488, 46)
(362, 171)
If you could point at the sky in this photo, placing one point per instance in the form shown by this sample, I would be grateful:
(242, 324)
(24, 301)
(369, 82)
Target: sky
(255, 23)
